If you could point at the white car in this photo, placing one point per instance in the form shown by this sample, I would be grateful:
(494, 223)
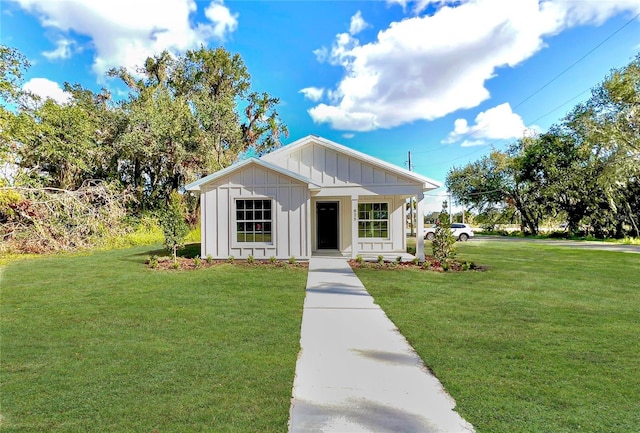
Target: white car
(462, 232)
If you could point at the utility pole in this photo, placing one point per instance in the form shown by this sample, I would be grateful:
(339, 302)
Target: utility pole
(410, 202)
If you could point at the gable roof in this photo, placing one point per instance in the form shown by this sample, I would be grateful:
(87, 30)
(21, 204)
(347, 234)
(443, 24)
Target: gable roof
(195, 186)
(314, 139)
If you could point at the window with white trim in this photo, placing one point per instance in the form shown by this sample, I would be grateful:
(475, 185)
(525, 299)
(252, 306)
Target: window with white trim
(254, 220)
(373, 220)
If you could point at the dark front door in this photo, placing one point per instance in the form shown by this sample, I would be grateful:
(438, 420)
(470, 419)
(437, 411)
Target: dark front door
(327, 223)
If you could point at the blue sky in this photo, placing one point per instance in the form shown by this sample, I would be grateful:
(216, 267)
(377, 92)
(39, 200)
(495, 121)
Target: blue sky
(446, 80)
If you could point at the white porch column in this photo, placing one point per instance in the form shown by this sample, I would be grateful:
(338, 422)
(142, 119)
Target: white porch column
(420, 227)
(354, 226)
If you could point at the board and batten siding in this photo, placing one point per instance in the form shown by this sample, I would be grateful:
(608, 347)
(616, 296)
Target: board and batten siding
(290, 214)
(329, 168)
(396, 242)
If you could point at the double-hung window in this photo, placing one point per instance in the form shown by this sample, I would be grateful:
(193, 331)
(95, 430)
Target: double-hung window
(373, 220)
(254, 219)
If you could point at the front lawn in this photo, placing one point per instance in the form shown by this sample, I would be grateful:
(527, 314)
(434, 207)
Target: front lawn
(102, 343)
(546, 341)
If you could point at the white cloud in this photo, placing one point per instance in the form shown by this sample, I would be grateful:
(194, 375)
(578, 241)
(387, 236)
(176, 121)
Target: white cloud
(358, 24)
(497, 123)
(62, 50)
(348, 135)
(312, 93)
(223, 20)
(46, 89)
(418, 5)
(126, 32)
(322, 54)
(342, 48)
(425, 67)
(341, 119)
(402, 3)
(472, 143)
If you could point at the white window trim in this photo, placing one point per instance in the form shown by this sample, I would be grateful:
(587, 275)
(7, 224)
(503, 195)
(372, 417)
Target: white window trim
(234, 226)
(388, 203)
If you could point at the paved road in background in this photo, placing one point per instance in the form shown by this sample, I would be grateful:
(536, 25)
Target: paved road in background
(589, 245)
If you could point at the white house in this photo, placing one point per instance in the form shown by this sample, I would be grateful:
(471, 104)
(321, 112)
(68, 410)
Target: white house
(308, 197)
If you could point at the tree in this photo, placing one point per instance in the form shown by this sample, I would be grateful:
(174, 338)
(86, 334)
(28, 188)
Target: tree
(495, 184)
(13, 65)
(173, 224)
(586, 167)
(444, 242)
(60, 143)
(191, 115)
(609, 124)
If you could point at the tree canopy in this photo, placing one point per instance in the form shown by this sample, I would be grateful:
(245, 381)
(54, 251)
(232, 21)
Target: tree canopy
(185, 116)
(585, 169)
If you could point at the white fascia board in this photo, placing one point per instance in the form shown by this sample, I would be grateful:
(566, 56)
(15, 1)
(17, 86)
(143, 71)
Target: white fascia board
(428, 184)
(195, 186)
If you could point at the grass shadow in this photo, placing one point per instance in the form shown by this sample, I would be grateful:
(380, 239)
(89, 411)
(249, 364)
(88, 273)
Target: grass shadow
(188, 252)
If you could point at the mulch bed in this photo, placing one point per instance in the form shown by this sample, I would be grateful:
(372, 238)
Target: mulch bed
(430, 264)
(166, 263)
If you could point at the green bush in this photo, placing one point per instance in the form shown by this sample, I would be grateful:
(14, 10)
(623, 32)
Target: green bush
(251, 260)
(153, 262)
(194, 235)
(143, 231)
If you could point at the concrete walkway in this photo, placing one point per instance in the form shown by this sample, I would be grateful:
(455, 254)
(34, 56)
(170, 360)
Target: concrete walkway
(356, 372)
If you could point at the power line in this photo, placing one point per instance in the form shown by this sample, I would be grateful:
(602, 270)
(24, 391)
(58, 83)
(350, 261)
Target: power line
(483, 146)
(432, 150)
(552, 80)
(444, 194)
(577, 61)
(561, 105)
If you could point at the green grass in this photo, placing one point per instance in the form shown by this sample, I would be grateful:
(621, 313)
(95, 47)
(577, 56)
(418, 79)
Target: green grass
(101, 343)
(547, 340)
(411, 245)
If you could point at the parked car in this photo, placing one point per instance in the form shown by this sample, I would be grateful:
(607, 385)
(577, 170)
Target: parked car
(462, 232)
